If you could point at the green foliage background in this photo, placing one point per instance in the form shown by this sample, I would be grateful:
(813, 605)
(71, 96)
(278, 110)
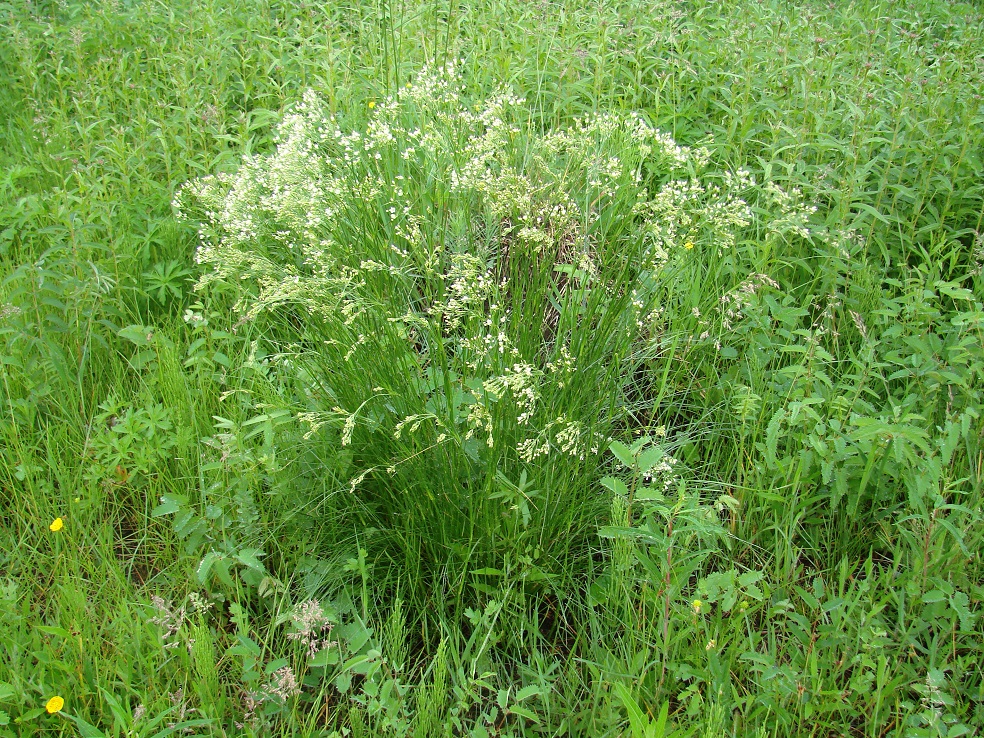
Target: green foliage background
(782, 536)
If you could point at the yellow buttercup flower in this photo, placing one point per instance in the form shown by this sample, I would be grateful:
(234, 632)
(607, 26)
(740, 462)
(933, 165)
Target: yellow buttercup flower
(56, 703)
(697, 604)
(372, 104)
(56, 525)
(688, 245)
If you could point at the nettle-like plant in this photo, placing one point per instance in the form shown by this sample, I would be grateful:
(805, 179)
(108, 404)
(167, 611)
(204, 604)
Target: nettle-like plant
(463, 299)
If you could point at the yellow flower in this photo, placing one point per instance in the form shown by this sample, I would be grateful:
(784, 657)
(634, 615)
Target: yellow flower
(372, 104)
(688, 245)
(56, 703)
(697, 604)
(56, 525)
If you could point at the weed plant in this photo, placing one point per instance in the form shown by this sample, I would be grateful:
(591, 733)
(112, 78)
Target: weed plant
(491, 369)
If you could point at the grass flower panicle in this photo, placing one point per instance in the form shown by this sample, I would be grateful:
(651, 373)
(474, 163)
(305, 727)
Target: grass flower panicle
(283, 684)
(312, 624)
(169, 618)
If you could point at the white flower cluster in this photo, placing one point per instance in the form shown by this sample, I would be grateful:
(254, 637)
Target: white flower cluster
(470, 287)
(793, 214)
(687, 210)
(562, 368)
(522, 382)
(294, 222)
(408, 226)
(569, 437)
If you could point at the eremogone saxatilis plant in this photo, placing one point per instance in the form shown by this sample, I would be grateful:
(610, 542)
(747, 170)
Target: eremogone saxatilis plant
(465, 296)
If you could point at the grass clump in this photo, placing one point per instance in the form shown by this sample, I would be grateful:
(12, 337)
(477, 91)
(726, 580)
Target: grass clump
(462, 301)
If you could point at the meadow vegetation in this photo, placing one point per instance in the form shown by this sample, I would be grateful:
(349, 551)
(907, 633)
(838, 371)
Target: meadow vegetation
(491, 368)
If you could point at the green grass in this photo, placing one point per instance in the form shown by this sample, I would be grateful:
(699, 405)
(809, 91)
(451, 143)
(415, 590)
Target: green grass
(559, 447)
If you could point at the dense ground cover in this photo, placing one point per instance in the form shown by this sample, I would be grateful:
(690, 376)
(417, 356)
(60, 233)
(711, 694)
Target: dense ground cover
(491, 368)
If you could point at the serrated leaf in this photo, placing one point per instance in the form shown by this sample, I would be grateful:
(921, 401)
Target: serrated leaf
(222, 571)
(960, 603)
(650, 458)
(754, 592)
(615, 485)
(205, 566)
(240, 618)
(772, 436)
(245, 646)
(523, 712)
(355, 635)
(249, 557)
(749, 578)
(649, 494)
(324, 658)
(169, 505)
(140, 335)
(526, 692)
(623, 453)
(343, 681)
(142, 358)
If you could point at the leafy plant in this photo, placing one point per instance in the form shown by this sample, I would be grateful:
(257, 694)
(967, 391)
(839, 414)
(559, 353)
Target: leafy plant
(166, 280)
